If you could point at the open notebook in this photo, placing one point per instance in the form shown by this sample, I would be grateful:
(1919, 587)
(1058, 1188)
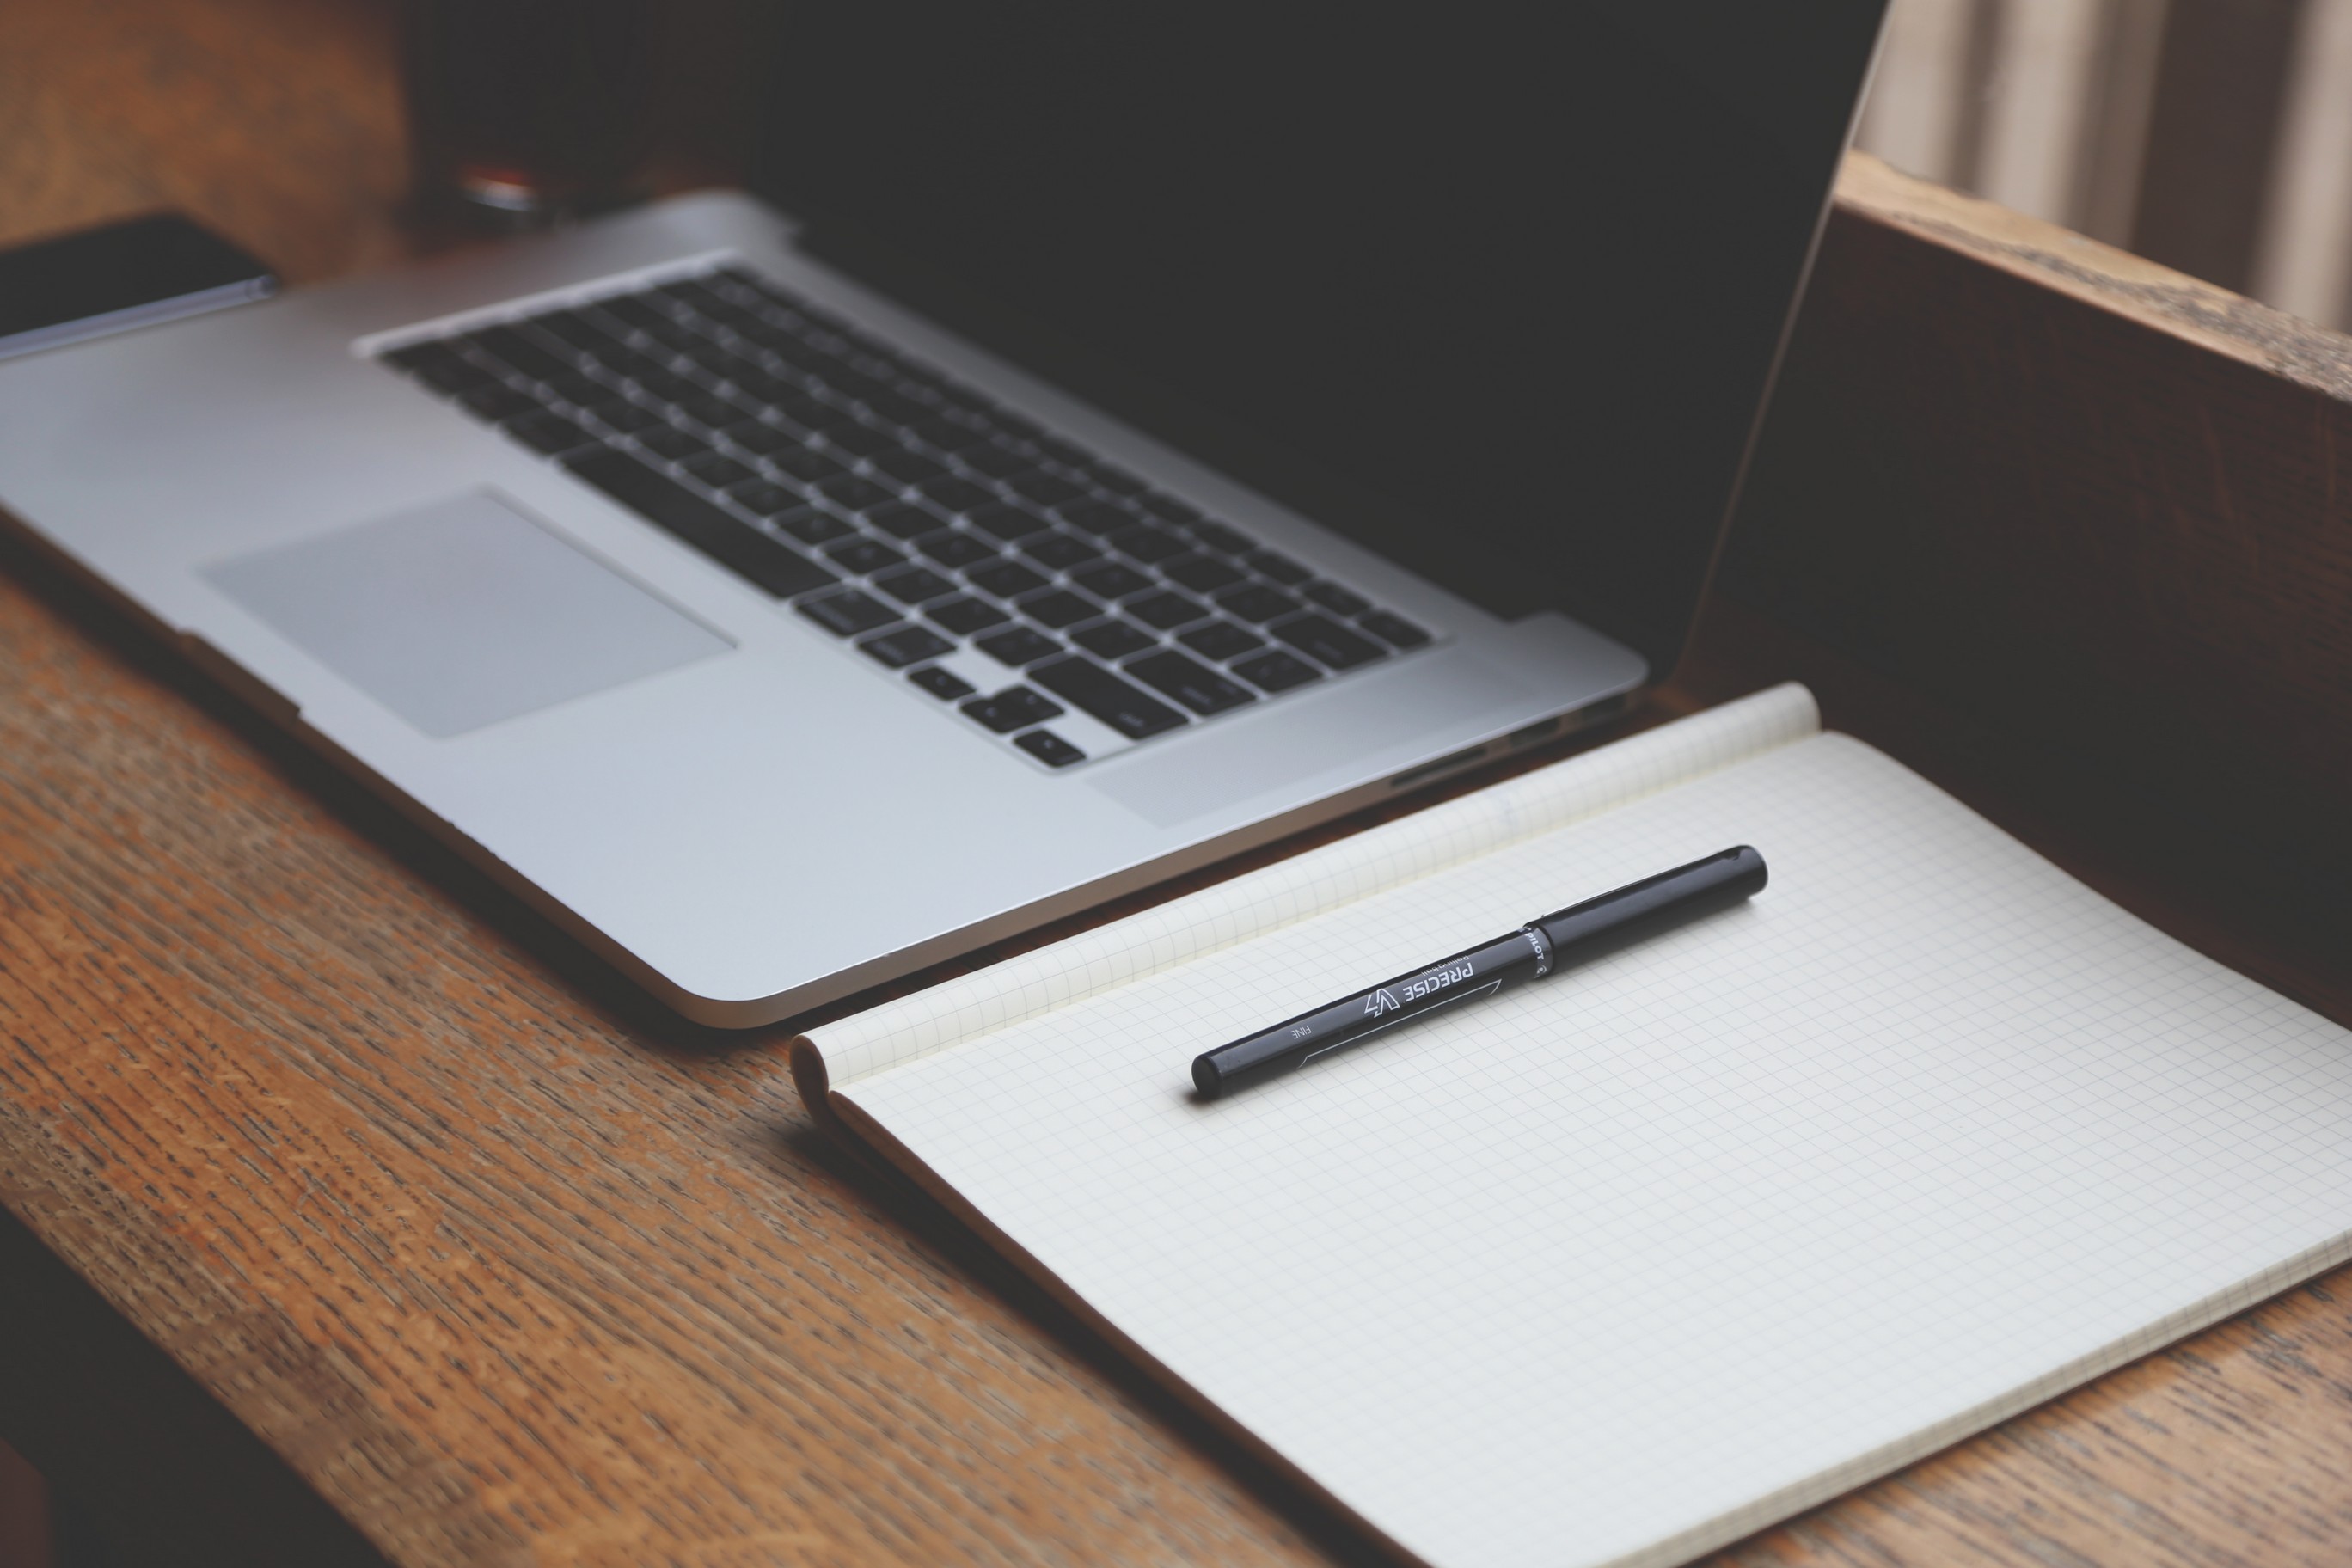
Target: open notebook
(1625, 1265)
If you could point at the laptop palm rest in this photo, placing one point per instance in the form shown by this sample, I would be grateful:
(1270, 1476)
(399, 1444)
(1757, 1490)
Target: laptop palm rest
(462, 613)
(1239, 764)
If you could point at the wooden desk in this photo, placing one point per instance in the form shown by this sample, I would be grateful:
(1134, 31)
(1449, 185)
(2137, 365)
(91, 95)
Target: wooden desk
(353, 1214)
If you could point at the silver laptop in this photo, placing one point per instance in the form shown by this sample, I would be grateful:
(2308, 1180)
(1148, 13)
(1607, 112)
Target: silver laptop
(1104, 443)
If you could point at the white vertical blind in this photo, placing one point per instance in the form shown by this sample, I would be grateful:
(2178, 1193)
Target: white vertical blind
(2302, 257)
(1917, 109)
(2045, 106)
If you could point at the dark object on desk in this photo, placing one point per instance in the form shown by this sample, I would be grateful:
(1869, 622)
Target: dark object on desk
(1578, 933)
(528, 111)
(123, 275)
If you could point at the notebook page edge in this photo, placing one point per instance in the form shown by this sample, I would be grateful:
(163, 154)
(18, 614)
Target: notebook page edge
(1775, 1507)
(866, 1129)
(1248, 906)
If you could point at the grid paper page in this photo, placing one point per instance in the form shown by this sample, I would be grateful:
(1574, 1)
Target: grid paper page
(1635, 1260)
(1302, 885)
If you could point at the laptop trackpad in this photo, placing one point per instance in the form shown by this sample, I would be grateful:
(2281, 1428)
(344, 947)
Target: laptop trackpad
(462, 611)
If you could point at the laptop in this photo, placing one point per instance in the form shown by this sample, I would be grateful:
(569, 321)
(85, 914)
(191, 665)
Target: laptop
(1097, 444)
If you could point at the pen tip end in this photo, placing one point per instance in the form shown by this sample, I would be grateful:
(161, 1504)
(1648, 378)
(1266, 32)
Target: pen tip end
(1206, 1077)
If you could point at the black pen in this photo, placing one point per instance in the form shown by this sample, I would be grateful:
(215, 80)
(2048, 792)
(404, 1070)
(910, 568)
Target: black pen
(1580, 932)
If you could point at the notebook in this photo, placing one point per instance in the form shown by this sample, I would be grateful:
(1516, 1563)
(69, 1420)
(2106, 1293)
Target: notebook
(1621, 1265)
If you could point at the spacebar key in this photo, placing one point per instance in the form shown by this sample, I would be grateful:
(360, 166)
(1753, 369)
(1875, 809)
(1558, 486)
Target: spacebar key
(774, 566)
(1085, 685)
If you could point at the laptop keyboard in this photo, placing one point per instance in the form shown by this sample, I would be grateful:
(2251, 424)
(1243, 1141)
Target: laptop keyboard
(987, 562)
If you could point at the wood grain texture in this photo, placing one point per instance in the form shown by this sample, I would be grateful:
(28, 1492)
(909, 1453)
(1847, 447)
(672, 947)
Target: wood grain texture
(506, 1277)
(2101, 506)
(356, 1215)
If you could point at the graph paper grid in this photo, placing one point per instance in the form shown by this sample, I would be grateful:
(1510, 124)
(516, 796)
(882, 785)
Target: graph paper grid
(1633, 1262)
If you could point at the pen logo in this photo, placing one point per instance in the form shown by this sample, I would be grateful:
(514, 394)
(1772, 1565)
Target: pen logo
(1379, 1002)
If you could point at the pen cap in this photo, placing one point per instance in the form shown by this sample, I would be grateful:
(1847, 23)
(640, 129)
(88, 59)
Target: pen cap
(1609, 922)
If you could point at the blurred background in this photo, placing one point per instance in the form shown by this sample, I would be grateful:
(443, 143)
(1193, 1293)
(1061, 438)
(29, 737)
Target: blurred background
(2214, 136)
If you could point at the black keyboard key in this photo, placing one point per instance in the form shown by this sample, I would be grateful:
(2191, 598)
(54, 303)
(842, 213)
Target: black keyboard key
(949, 548)
(847, 614)
(623, 417)
(859, 441)
(755, 385)
(670, 442)
(1059, 552)
(577, 390)
(711, 411)
(717, 471)
(1277, 671)
(996, 462)
(809, 468)
(1011, 709)
(1159, 504)
(903, 520)
(914, 585)
(1045, 488)
(1059, 607)
(1338, 600)
(1221, 640)
(1097, 517)
(1062, 452)
(575, 330)
(1118, 481)
(808, 415)
(907, 645)
(811, 526)
(854, 385)
(1318, 636)
(954, 495)
(1112, 580)
(1281, 568)
(1014, 425)
(1017, 646)
(1147, 544)
(760, 438)
(1086, 685)
(1217, 536)
(1114, 639)
(1049, 748)
(853, 494)
(775, 567)
(1165, 610)
(944, 684)
(549, 433)
(1193, 684)
(662, 386)
(438, 366)
(965, 616)
(947, 435)
(694, 294)
(497, 401)
(907, 467)
(1005, 579)
(863, 555)
(1202, 574)
(1393, 630)
(1256, 602)
(633, 311)
(892, 409)
(1007, 522)
(764, 497)
(511, 347)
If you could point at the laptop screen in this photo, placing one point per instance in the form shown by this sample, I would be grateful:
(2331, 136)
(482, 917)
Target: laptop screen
(1496, 291)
